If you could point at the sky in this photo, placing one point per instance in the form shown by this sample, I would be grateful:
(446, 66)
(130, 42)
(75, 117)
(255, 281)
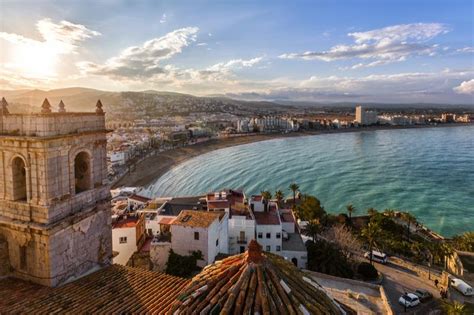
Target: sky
(319, 51)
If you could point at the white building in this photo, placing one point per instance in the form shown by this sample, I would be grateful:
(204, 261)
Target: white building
(365, 117)
(241, 219)
(127, 236)
(202, 231)
(136, 202)
(117, 157)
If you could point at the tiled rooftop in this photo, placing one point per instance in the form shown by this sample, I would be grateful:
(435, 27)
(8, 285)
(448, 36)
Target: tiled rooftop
(112, 290)
(125, 223)
(139, 198)
(201, 219)
(176, 205)
(253, 283)
(267, 218)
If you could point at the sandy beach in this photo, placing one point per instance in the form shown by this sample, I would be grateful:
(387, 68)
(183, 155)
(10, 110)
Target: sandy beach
(153, 167)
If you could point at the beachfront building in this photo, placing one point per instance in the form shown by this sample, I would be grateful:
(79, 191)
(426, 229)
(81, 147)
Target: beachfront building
(128, 233)
(204, 231)
(365, 117)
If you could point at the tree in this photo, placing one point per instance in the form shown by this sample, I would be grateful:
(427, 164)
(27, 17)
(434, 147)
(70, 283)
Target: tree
(279, 196)
(294, 188)
(310, 209)
(372, 211)
(371, 232)
(327, 258)
(464, 242)
(343, 238)
(266, 196)
(350, 209)
(409, 218)
(312, 229)
(182, 266)
(454, 308)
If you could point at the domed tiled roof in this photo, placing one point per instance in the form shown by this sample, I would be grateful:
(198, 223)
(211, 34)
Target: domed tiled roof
(251, 283)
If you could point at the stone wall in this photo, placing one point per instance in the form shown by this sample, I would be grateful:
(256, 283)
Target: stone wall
(81, 246)
(51, 124)
(159, 254)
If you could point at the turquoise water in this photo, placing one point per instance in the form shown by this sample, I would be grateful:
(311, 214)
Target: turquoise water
(429, 172)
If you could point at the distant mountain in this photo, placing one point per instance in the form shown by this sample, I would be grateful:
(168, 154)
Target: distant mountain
(133, 105)
(151, 104)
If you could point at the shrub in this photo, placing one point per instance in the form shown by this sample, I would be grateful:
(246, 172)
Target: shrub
(367, 271)
(182, 266)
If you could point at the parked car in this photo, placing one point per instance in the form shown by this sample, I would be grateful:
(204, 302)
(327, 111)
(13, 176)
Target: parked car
(377, 256)
(461, 286)
(423, 295)
(409, 300)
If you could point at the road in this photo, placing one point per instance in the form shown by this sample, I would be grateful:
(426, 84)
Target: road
(398, 280)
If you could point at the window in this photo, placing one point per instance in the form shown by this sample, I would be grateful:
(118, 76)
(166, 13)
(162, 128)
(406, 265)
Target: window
(23, 262)
(217, 242)
(278, 248)
(242, 249)
(268, 248)
(196, 236)
(82, 172)
(123, 240)
(269, 235)
(260, 235)
(278, 235)
(19, 179)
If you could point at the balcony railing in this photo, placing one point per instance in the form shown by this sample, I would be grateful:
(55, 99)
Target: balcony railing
(241, 240)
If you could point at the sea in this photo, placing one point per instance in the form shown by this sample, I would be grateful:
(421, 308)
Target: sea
(428, 172)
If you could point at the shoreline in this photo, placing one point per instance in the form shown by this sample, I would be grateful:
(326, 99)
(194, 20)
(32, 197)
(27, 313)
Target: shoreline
(153, 167)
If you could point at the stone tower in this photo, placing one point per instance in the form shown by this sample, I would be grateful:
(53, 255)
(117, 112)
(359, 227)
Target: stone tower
(54, 201)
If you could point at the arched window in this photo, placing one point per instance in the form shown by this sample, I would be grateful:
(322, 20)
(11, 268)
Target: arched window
(294, 261)
(19, 179)
(82, 172)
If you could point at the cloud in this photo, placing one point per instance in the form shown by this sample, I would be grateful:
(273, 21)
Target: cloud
(389, 44)
(201, 44)
(465, 50)
(235, 64)
(139, 62)
(466, 87)
(58, 38)
(163, 18)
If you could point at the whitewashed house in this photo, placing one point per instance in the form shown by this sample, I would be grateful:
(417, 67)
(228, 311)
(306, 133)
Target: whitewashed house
(202, 231)
(128, 233)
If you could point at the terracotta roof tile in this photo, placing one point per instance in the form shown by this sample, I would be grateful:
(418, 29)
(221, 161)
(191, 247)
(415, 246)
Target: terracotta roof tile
(197, 218)
(111, 290)
(253, 283)
(267, 218)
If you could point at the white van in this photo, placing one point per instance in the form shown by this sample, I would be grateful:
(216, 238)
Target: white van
(377, 256)
(461, 286)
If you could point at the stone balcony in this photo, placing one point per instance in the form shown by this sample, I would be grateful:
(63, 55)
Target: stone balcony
(50, 124)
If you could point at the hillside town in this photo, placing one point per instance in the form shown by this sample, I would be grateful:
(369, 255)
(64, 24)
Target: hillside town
(132, 141)
(63, 230)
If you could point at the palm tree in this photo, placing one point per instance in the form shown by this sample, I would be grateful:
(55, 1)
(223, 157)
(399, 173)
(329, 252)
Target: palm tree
(279, 196)
(372, 211)
(266, 196)
(454, 308)
(294, 188)
(350, 208)
(409, 218)
(371, 232)
(312, 229)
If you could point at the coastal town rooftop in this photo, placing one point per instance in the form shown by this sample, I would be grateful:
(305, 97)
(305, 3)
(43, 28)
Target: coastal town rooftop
(200, 219)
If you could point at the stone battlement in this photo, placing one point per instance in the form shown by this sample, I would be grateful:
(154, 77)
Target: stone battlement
(48, 123)
(53, 124)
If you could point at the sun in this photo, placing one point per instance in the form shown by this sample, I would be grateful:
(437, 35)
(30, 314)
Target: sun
(35, 60)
